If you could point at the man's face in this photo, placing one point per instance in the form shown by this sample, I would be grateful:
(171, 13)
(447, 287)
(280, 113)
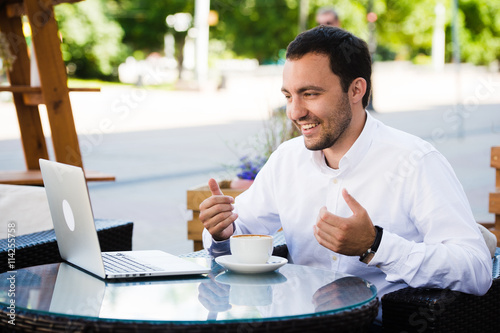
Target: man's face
(315, 101)
(327, 19)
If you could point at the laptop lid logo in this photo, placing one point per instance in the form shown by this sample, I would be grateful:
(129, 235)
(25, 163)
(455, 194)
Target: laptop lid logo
(68, 215)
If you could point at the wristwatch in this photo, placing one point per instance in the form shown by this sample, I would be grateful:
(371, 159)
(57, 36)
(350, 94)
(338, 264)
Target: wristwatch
(368, 255)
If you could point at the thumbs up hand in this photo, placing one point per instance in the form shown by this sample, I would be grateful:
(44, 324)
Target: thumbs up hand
(216, 213)
(351, 236)
(214, 187)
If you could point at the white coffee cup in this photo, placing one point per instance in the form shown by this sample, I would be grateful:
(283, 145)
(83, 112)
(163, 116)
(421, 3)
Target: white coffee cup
(251, 249)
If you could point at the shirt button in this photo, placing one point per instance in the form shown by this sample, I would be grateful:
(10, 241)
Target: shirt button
(335, 181)
(334, 258)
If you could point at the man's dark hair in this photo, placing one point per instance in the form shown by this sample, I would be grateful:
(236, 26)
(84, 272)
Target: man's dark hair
(349, 55)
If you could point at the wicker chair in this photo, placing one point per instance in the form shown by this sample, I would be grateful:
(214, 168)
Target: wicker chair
(41, 247)
(438, 310)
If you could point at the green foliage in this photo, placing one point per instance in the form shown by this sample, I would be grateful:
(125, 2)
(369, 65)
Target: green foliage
(97, 33)
(255, 152)
(262, 29)
(479, 31)
(352, 14)
(143, 21)
(405, 28)
(256, 28)
(91, 45)
(6, 57)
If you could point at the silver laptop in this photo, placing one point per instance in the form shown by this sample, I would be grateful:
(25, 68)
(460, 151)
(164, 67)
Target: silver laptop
(74, 226)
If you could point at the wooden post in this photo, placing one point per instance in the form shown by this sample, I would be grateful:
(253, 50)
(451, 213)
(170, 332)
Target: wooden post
(28, 116)
(53, 80)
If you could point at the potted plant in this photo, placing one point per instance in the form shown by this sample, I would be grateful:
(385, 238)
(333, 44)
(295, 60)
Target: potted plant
(276, 130)
(248, 168)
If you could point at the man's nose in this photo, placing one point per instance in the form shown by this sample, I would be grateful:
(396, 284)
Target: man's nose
(296, 109)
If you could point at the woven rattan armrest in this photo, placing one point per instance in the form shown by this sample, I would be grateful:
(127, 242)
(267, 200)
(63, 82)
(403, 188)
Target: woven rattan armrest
(442, 310)
(41, 247)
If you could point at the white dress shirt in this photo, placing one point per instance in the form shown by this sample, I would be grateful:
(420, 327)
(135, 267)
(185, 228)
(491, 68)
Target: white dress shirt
(430, 237)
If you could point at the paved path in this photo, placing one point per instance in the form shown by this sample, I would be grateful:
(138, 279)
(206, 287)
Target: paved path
(160, 143)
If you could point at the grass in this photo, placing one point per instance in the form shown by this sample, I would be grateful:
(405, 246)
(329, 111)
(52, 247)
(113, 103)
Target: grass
(93, 83)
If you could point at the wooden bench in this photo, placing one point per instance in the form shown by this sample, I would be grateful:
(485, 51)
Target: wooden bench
(494, 199)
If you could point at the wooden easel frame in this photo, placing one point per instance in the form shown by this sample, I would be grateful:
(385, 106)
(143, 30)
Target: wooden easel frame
(53, 92)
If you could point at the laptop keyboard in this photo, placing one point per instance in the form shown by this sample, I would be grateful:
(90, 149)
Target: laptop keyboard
(121, 263)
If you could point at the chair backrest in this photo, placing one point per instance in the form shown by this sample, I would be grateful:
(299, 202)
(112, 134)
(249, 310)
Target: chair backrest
(26, 207)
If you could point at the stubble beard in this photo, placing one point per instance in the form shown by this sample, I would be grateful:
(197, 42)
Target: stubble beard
(334, 126)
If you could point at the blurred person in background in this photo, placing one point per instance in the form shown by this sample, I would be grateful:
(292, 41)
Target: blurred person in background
(327, 16)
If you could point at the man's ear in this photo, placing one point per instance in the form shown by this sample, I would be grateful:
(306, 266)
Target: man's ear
(357, 90)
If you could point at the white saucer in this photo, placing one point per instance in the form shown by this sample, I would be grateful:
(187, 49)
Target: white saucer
(230, 263)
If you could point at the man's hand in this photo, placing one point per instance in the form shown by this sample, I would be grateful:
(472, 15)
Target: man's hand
(350, 236)
(216, 213)
(214, 296)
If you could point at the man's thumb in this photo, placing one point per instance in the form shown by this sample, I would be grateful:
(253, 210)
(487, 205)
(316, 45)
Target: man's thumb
(214, 187)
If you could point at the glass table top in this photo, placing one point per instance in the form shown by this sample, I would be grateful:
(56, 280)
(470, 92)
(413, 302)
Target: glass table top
(291, 291)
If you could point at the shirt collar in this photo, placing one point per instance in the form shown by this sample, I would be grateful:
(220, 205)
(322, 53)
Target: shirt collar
(354, 155)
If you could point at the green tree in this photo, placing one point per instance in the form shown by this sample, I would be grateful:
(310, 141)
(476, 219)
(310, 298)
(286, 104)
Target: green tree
(143, 21)
(91, 42)
(352, 14)
(256, 28)
(405, 28)
(95, 32)
(479, 31)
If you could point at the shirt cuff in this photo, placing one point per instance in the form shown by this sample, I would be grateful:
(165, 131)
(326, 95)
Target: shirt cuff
(219, 248)
(386, 258)
(215, 248)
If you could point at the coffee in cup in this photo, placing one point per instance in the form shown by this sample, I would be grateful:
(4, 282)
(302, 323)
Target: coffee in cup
(251, 249)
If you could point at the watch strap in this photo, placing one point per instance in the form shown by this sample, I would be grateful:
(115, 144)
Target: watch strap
(373, 249)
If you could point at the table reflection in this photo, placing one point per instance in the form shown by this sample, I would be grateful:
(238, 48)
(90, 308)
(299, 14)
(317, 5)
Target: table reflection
(346, 291)
(250, 289)
(293, 290)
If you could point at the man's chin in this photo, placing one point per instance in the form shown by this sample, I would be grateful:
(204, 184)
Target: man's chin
(312, 145)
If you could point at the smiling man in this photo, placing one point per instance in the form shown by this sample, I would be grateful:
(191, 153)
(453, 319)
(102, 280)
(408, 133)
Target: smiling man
(352, 194)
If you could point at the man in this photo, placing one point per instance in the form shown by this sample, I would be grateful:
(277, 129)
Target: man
(353, 195)
(327, 16)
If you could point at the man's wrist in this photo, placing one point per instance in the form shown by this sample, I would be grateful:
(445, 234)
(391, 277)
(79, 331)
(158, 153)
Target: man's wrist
(368, 255)
(220, 240)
